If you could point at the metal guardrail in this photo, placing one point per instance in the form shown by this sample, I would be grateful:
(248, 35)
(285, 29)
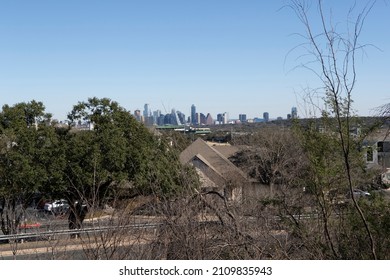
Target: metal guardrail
(50, 233)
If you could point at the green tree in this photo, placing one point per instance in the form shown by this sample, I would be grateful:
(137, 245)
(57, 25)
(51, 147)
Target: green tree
(28, 145)
(118, 154)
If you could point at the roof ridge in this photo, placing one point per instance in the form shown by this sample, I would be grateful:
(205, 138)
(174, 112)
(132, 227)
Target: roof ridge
(225, 159)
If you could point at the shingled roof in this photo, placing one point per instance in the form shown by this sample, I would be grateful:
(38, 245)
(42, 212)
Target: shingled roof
(225, 149)
(214, 159)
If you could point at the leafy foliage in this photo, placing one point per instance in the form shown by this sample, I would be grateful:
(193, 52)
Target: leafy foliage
(119, 151)
(118, 157)
(28, 146)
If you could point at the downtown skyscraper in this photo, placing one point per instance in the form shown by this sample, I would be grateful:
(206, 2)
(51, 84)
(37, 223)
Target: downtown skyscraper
(194, 119)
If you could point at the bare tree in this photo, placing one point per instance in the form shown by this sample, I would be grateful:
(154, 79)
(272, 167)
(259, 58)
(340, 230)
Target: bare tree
(273, 156)
(332, 58)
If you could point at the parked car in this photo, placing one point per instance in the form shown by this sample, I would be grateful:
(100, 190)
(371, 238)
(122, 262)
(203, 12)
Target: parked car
(357, 193)
(57, 206)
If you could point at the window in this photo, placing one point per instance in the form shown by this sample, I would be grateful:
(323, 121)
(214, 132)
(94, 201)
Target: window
(383, 147)
(370, 154)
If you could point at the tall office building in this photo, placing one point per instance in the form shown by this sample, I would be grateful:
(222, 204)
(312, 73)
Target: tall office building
(193, 115)
(156, 115)
(175, 120)
(242, 118)
(220, 118)
(182, 117)
(209, 119)
(146, 111)
(201, 118)
(294, 113)
(225, 118)
(266, 116)
(161, 119)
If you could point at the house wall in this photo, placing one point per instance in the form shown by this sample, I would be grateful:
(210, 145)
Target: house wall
(380, 152)
(208, 172)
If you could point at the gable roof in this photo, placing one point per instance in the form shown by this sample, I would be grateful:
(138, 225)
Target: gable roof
(207, 163)
(213, 159)
(225, 149)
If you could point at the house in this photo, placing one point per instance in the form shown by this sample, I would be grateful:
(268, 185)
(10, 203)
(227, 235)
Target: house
(377, 153)
(215, 170)
(377, 147)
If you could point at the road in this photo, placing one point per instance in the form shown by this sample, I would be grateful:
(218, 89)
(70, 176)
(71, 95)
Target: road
(53, 242)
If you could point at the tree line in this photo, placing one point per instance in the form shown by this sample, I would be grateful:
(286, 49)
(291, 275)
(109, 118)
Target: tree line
(118, 158)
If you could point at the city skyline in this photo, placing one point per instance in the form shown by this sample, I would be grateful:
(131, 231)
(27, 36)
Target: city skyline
(224, 56)
(196, 117)
(189, 113)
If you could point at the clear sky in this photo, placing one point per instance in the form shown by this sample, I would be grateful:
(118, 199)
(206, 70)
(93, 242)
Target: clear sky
(221, 55)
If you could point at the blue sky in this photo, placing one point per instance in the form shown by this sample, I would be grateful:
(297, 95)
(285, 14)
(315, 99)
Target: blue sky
(221, 55)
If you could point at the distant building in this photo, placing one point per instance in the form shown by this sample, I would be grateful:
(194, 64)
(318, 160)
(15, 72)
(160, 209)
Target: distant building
(85, 125)
(181, 116)
(294, 113)
(148, 121)
(225, 118)
(194, 119)
(242, 118)
(197, 119)
(167, 119)
(220, 118)
(156, 115)
(174, 118)
(202, 118)
(258, 120)
(266, 116)
(146, 111)
(160, 120)
(209, 119)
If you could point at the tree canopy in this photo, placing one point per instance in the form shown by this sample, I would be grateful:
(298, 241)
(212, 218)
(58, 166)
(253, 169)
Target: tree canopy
(118, 154)
(29, 159)
(119, 150)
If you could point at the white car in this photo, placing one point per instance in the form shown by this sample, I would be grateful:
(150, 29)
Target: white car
(359, 193)
(57, 206)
